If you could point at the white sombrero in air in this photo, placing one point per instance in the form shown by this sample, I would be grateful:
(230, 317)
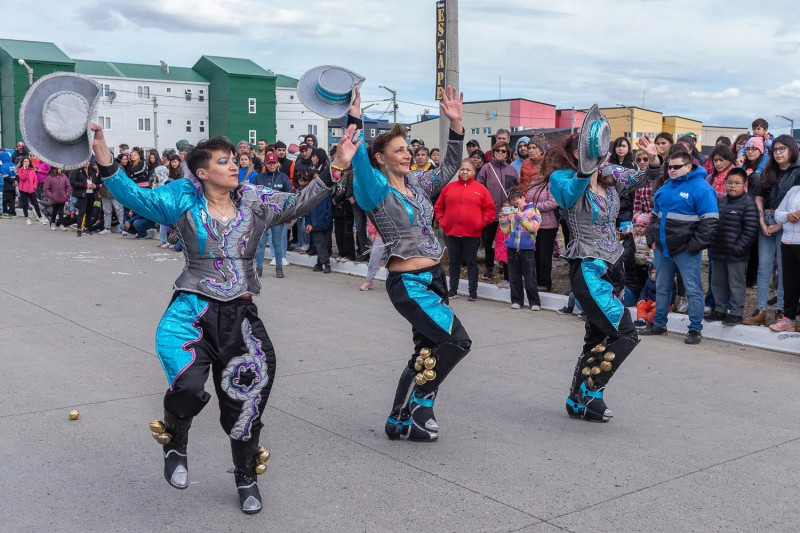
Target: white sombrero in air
(328, 90)
(55, 117)
(594, 141)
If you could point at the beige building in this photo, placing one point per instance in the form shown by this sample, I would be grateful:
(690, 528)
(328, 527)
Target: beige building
(646, 122)
(712, 133)
(679, 126)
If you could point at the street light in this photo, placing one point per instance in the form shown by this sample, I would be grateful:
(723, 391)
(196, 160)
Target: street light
(30, 71)
(791, 124)
(631, 110)
(364, 109)
(394, 100)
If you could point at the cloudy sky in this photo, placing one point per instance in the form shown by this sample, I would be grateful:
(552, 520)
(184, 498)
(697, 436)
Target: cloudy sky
(720, 62)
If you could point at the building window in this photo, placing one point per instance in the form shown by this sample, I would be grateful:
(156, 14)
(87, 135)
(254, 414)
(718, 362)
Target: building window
(104, 89)
(169, 121)
(201, 127)
(188, 93)
(104, 122)
(188, 126)
(312, 130)
(476, 131)
(201, 95)
(291, 126)
(251, 105)
(169, 90)
(487, 131)
(372, 132)
(144, 124)
(252, 137)
(143, 91)
(291, 97)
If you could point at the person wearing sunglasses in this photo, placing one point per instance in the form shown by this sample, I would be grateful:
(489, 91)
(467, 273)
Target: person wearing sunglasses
(498, 176)
(685, 219)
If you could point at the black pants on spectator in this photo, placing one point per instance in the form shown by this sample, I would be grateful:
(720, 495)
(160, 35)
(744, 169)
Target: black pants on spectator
(343, 228)
(322, 242)
(58, 209)
(790, 261)
(84, 209)
(25, 198)
(487, 237)
(751, 273)
(9, 198)
(522, 276)
(463, 249)
(362, 241)
(544, 257)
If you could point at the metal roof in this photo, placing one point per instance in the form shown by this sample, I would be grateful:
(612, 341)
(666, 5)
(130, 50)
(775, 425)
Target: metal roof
(285, 81)
(34, 51)
(134, 70)
(235, 65)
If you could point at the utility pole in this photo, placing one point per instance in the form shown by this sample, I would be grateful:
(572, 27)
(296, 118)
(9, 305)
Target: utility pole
(394, 100)
(631, 110)
(572, 125)
(155, 123)
(451, 62)
(791, 124)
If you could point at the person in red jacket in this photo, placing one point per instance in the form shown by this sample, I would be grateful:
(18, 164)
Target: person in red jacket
(463, 209)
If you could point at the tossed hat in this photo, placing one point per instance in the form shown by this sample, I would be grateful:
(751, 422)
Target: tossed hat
(293, 149)
(271, 157)
(593, 141)
(328, 90)
(55, 116)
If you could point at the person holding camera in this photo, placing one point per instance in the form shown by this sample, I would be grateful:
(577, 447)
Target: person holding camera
(521, 222)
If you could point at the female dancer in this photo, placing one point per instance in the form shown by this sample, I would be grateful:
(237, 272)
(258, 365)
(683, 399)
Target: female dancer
(398, 203)
(596, 273)
(212, 323)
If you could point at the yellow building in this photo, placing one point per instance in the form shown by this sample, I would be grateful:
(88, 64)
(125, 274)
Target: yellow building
(678, 126)
(645, 122)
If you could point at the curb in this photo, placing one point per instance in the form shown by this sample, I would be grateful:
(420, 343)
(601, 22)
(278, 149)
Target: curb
(756, 336)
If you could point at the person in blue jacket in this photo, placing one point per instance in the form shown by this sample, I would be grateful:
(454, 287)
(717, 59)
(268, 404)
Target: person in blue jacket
(8, 186)
(319, 223)
(683, 224)
(276, 180)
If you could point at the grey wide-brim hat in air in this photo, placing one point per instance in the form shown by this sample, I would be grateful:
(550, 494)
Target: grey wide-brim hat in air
(55, 117)
(328, 90)
(594, 141)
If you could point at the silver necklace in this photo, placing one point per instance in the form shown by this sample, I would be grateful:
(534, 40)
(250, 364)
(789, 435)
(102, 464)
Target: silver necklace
(221, 214)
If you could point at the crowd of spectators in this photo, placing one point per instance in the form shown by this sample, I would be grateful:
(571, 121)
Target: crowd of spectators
(734, 214)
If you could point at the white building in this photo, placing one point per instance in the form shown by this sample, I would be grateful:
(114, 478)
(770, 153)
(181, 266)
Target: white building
(147, 105)
(294, 121)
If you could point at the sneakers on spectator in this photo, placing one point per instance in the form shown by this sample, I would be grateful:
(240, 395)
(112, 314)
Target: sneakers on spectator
(259, 271)
(504, 285)
(732, 320)
(53, 227)
(515, 306)
(693, 337)
(326, 268)
(536, 308)
(44, 221)
(105, 232)
(487, 275)
(472, 298)
(317, 267)
(452, 294)
(566, 310)
(285, 262)
(772, 301)
(272, 263)
(707, 309)
(784, 324)
(367, 285)
(28, 222)
(640, 323)
(63, 228)
(652, 329)
(682, 305)
(278, 272)
(715, 316)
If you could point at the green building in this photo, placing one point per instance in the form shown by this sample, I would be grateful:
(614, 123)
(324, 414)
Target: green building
(241, 97)
(42, 59)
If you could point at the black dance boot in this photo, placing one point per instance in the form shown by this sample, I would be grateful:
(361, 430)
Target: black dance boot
(176, 467)
(245, 460)
(593, 372)
(399, 420)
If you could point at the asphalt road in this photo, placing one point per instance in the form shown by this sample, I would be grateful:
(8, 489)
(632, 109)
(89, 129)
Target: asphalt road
(704, 438)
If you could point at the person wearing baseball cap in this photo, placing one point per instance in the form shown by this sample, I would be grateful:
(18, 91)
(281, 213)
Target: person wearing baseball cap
(276, 180)
(20, 152)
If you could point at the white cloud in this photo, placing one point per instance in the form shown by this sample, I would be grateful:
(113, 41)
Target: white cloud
(789, 90)
(731, 92)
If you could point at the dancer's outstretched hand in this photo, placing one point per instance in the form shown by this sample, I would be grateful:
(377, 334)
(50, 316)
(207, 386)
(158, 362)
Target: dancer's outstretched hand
(346, 147)
(644, 143)
(99, 146)
(452, 107)
(355, 108)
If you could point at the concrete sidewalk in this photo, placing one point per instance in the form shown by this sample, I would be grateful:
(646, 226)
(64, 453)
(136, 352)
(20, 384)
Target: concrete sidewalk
(704, 437)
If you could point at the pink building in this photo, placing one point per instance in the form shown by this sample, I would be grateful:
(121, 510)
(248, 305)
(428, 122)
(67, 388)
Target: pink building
(526, 114)
(567, 118)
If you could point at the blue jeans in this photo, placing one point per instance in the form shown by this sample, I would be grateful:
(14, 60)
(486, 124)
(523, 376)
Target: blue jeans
(278, 241)
(689, 267)
(768, 249)
(271, 234)
(303, 237)
(141, 225)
